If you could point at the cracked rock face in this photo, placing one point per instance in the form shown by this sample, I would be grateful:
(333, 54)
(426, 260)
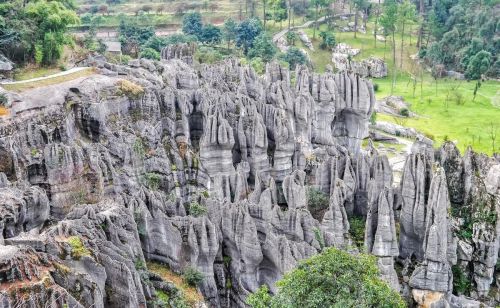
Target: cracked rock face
(210, 167)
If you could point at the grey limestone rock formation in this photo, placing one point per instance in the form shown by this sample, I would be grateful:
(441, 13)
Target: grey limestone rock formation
(210, 167)
(371, 67)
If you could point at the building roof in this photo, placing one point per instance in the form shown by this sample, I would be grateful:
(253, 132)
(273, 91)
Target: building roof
(113, 46)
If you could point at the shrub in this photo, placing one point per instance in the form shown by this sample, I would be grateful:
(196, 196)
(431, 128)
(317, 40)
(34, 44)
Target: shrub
(375, 87)
(357, 230)
(192, 276)
(150, 53)
(162, 297)
(208, 55)
(294, 56)
(328, 40)
(138, 148)
(461, 283)
(316, 199)
(458, 98)
(291, 37)
(373, 118)
(258, 65)
(130, 89)
(333, 278)
(78, 250)
(3, 99)
(152, 180)
(404, 112)
(139, 265)
(430, 136)
(196, 209)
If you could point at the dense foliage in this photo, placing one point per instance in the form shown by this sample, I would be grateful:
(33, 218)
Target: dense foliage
(35, 30)
(465, 37)
(294, 56)
(333, 278)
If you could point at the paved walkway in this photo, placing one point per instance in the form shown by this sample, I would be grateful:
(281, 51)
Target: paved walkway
(307, 24)
(68, 72)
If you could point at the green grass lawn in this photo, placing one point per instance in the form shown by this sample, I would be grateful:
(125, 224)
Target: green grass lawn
(441, 118)
(20, 87)
(34, 72)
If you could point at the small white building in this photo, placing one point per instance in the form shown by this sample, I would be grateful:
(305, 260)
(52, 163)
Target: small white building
(113, 47)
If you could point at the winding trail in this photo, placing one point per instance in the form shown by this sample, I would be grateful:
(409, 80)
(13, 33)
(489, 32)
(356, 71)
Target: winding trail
(67, 72)
(307, 24)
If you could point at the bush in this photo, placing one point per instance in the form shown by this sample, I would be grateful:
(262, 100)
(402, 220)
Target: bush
(357, 230)
(196, 209)
(291, 37)
(328, 40)
(150, 53)
(375, 87)
(316, 199)
(208, 55)
(294, 56)
(130, 89)
(192, 276)
(430, 136)
(461, 283)
(404, 112)
(152, 180)
(333, 278)
(3, 100)
(258, 65)
(78, 250)
(373, 118)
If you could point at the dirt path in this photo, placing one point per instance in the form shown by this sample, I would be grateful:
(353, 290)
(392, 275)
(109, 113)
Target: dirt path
(68, 72)
(307, 24)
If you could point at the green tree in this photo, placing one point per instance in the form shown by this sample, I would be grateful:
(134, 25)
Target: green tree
(156, 43)
(133, 36)
(149, 53)
(280, 11)
(317, 5)
(358, 5)
(192, 24)
(211, 34)
(246, 32)
(51, 20)
(406, 13)
(294, 56)
(478, 65)
(264, 14)
(388, 21)
(333, 278)
(229, 31)
(263, 47)
(328, 40)
(291, 37)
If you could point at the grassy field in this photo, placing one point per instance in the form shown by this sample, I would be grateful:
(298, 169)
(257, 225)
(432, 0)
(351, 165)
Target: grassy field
(31, 72)
(446, 110)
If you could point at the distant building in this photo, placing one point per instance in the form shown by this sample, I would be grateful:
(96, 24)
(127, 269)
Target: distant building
(113, 47)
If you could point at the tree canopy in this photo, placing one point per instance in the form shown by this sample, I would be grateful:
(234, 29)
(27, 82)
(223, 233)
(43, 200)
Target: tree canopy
(37, 30)
(247, 31)
(334, 278)
(294, 56)
(460, 30)
(192, 24)
(263, 47)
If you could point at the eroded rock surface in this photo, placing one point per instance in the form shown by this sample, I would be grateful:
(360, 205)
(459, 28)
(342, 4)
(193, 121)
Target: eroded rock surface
(210, 167)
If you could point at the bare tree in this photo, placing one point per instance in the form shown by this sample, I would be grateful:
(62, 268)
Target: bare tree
(493, 135)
